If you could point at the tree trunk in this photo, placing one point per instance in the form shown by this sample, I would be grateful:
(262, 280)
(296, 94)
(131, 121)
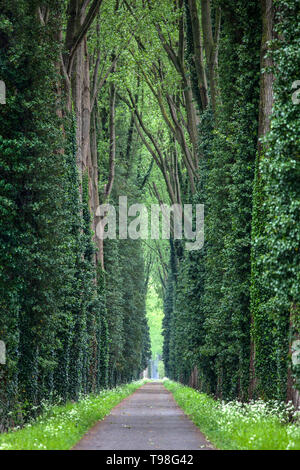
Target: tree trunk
(76, 66)
(265, 110)
(211, 47)
(266, 81)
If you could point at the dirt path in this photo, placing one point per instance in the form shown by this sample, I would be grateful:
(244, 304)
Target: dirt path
(147, 420)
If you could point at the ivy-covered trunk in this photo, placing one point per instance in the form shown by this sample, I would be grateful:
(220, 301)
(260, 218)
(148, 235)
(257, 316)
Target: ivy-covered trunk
(275, 269)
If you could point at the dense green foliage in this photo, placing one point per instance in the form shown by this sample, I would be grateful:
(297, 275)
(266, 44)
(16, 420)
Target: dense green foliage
(275, 286)
(65, 323)
(214, 329)
(220, 291)
(126, 289)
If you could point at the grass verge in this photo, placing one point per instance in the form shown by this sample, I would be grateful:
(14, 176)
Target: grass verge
(61, 427)
(236, 426)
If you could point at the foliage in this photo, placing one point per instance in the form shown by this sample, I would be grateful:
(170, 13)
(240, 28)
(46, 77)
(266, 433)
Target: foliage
(129, 341)
(276, 216)
(211, 325)
(56, 308)
(181, 128)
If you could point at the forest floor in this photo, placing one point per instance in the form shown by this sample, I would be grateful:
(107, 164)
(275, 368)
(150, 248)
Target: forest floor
(149, 419)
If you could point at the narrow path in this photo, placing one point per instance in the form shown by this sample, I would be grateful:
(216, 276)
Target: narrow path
(147, 420)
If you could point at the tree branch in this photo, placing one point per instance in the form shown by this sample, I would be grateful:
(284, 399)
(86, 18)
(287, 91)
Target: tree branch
(82, 32)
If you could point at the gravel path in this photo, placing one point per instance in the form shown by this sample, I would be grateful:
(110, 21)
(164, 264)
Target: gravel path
(149, 419)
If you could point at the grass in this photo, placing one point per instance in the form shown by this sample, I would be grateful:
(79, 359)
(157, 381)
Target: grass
(236, 426)
(61, 427)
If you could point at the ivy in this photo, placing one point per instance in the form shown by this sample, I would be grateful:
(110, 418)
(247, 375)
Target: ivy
(276, 240)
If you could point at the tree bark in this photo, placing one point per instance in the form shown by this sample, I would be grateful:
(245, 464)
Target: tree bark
(112, 140)
(198, 53)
